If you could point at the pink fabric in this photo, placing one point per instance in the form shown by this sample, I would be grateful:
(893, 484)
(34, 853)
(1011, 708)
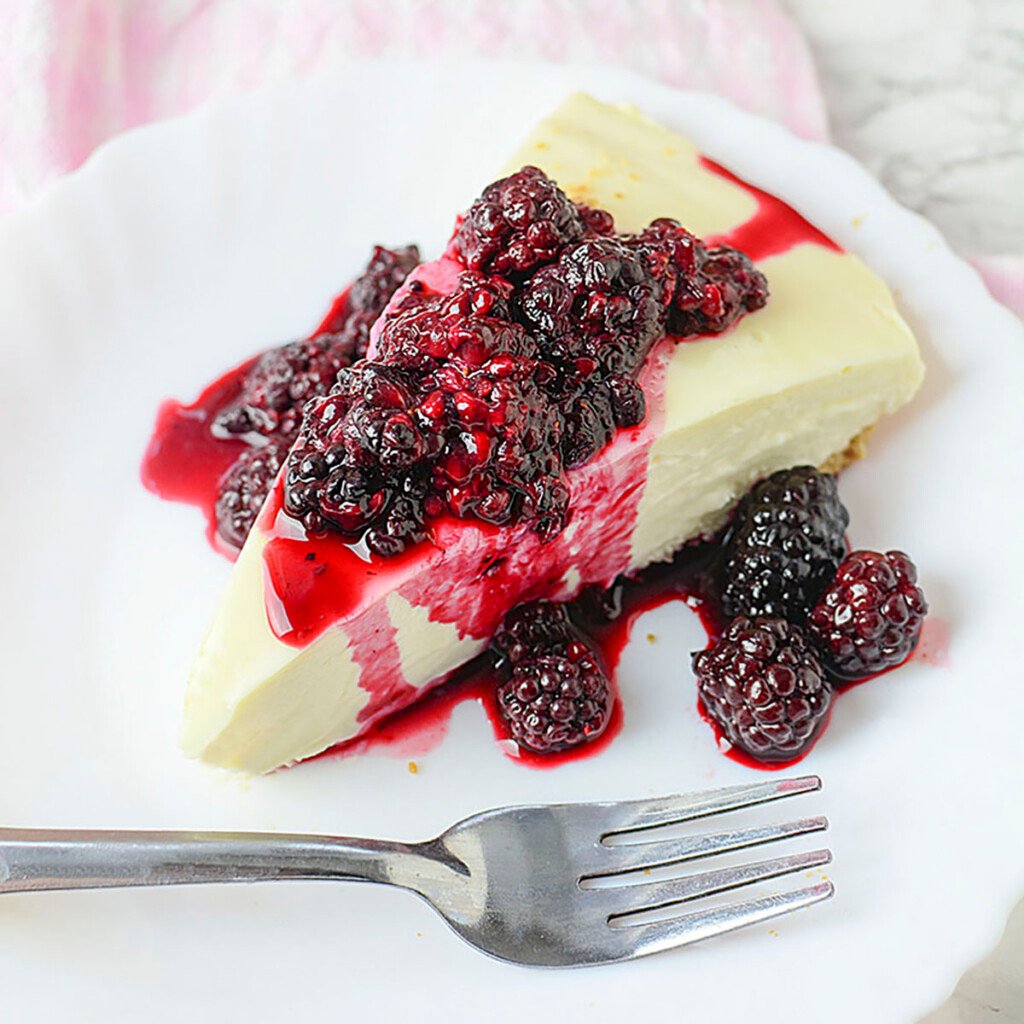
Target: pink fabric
(75, 72)
(1004, 276)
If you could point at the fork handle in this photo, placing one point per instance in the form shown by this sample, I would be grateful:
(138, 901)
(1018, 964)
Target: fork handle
(45, 859)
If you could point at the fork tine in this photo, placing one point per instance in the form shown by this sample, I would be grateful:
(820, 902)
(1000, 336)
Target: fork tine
(642, 939)
(638, 815)
(643, 896)
(617, 860)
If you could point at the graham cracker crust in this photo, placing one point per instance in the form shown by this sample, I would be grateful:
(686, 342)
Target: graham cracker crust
(855, 450)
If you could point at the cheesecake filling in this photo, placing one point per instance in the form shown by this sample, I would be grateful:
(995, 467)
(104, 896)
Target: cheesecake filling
(315, 641)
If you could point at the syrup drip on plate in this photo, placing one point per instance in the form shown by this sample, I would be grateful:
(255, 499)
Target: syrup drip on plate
(184, 462)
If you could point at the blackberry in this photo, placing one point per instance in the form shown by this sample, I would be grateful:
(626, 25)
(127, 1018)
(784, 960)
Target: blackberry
(280, 383)
(466, 328)
(277, 388)
(783, 546)
(596, 313)
(554, 694)
(450, 415)
(244, 488)
(602, 303)
(386, 270)
(595, 221)
(869, 618)
(712, 287)
(763, 684)
(732, 286)
(537, 625)
(354, 455)
(519, 223)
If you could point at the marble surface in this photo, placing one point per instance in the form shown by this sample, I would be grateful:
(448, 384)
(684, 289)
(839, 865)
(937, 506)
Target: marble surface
(929, 95)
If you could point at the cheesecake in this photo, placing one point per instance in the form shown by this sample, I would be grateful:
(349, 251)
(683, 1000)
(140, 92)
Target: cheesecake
(327, 624)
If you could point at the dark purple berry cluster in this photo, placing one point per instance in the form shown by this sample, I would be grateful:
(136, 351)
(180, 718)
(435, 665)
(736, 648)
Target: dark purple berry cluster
(784, 544)
(476, 403)
(805, 616)
(869, 618)
(554, 693)
(764, 685)
(269, 409)
(451, 417)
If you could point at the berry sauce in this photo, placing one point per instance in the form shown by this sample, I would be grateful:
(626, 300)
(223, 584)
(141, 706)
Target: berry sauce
(334, 319)
(184, 462)
(605, 617)
(773, 229)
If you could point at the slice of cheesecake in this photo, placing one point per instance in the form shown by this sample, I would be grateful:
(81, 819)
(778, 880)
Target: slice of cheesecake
(313, 641)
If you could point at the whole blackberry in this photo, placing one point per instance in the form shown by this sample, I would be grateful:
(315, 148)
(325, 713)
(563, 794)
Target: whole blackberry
(763, 685)
(553, 702)
(555, 694)
(359, 450)
(518, 223)
(243, 490)
(732, 286)
(869, 618)
(783, 546)
(279, 385)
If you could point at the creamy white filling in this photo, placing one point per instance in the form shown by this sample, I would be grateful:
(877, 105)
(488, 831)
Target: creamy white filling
(788, 385)
(426, 648)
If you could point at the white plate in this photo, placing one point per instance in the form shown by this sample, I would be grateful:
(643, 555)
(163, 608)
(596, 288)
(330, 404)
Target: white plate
(184, 246)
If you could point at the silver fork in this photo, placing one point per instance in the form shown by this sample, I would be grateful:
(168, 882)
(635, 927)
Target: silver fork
(523, 884)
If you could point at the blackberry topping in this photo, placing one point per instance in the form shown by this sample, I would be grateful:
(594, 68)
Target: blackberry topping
(269, 409)
(386, 270)
(763, 685)
(451, 415)
(595, 221)
(520, 222)
(476, 403)
(601, 302)
(358, 451)
(555, 695)
(596, 313)
(870, 616)
(783, 546)
(713, 287)
(281, 382)
(732, 286)
(243, 490)
(277, 388)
